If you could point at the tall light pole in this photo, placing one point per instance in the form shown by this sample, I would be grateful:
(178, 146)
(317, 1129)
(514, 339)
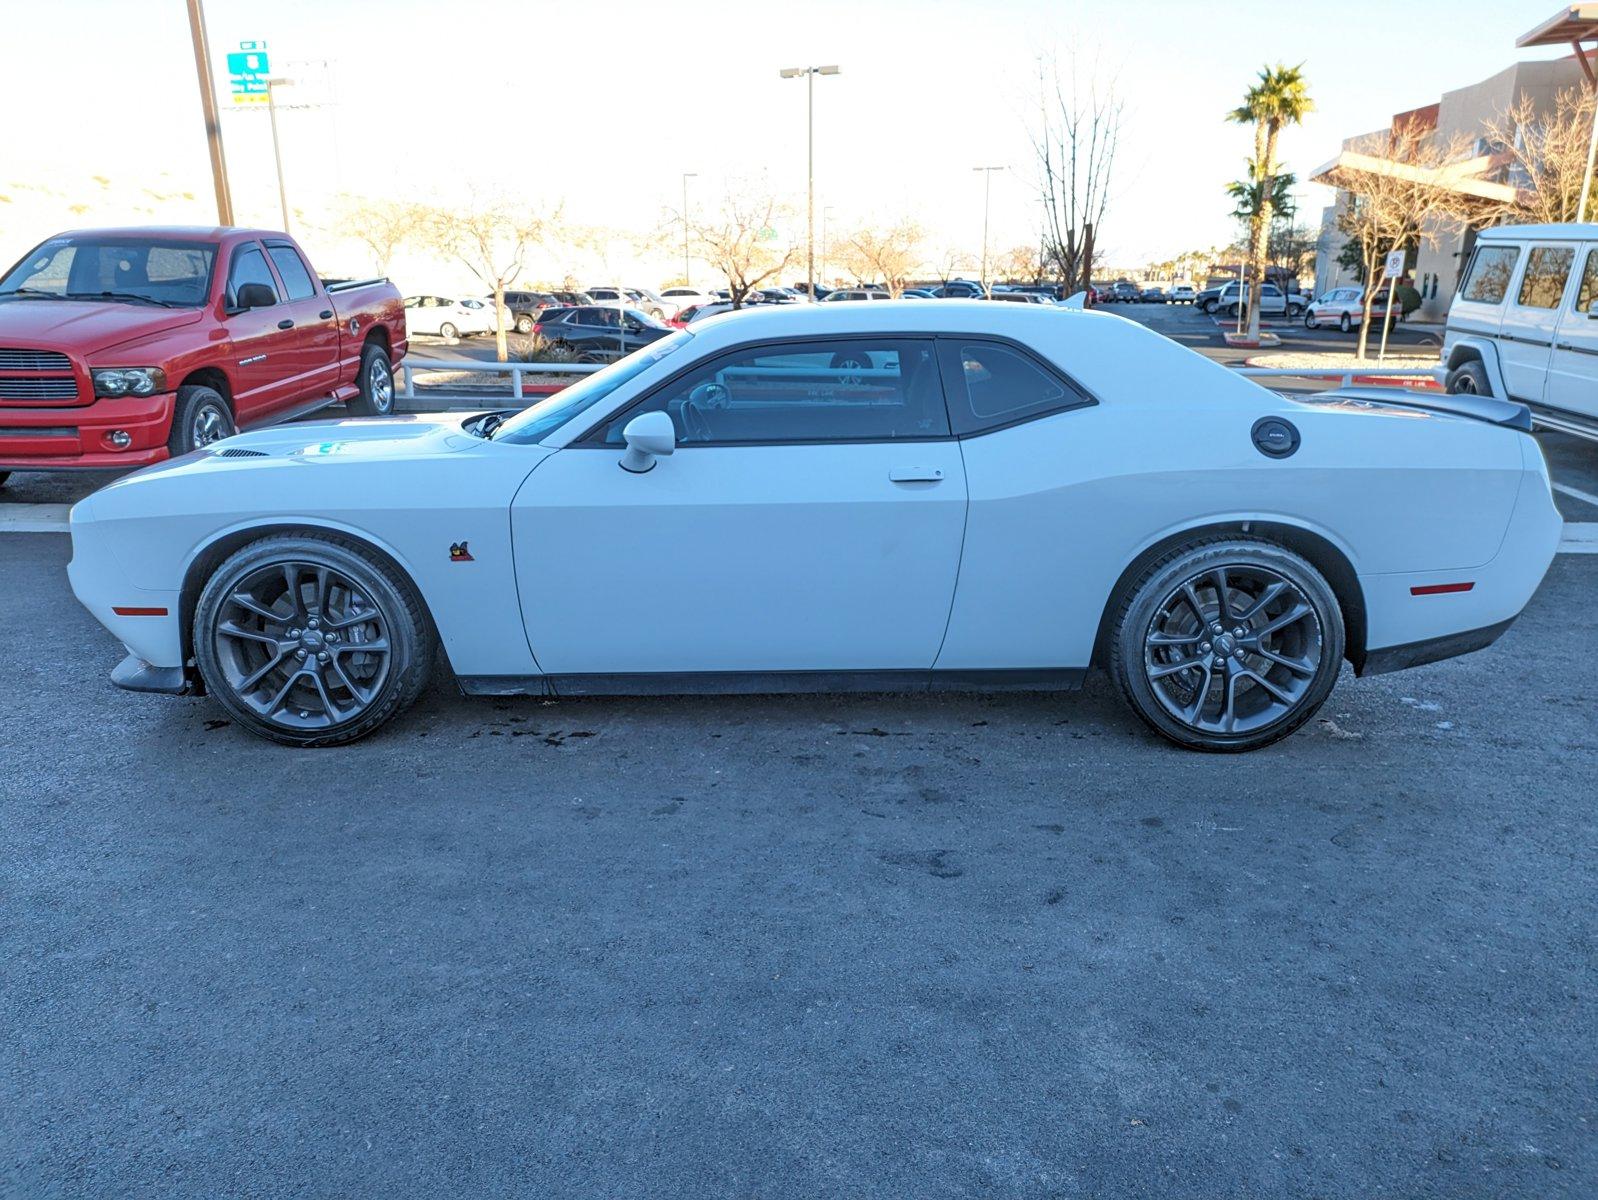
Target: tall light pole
(987, 199)
(810, 74)
(825, 213)
(213, 128)
(687, 279)
(277, 155)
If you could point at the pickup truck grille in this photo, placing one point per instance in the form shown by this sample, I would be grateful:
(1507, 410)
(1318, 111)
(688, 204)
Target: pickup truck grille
(23, 359)
(39, 389)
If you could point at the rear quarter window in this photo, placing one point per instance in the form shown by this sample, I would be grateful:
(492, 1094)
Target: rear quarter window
(1487, 279)
(990, 385)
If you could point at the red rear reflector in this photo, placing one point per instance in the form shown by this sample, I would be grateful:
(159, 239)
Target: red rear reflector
(138, 612)
(1440, 589)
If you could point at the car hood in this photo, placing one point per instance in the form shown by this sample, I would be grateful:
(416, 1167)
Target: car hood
(86, 326)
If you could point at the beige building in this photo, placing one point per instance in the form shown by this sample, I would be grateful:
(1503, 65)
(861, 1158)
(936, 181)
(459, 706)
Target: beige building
(1464, 113)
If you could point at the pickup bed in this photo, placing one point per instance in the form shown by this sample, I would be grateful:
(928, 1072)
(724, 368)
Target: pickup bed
(122, 347)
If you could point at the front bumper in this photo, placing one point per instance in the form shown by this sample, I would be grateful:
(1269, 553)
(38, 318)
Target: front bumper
(48, 439)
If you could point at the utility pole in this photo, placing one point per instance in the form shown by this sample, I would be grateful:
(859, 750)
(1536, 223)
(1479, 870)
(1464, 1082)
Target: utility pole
(987, 200)
(686, 277)
(213, 128)
(810, 74)
(277, 154)
(825, 213)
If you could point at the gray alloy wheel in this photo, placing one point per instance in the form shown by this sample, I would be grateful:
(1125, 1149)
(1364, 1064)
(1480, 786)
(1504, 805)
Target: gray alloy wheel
(1469, 379)
(1228, 645)
(310, 640)
(376, 381)
(199, 418)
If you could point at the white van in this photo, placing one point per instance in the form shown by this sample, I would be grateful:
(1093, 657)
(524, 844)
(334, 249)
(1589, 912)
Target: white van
(1524, 325)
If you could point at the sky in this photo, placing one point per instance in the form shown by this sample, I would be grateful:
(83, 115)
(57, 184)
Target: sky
(600, 107)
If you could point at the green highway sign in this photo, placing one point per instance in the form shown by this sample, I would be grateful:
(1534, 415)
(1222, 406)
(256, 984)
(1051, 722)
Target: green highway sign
(248, 70)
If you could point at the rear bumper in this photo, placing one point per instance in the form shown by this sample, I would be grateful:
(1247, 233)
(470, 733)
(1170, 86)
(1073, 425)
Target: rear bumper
(48, 439)
(1418, 654)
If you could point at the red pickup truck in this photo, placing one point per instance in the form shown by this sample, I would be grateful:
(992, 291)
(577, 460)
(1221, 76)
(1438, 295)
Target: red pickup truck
(121, 347)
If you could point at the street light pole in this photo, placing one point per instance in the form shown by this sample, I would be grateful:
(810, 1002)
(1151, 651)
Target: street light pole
(810, 74)
(987, 200)
(825, 213)
(686, 276)
(277, 155)
(213, 127)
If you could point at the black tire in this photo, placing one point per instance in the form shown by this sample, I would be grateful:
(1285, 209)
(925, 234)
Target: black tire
(449, 332)
(1310, 320)
(295, 683)
(524, 324)
(1312, 644)
(1209, 307)
(200, 417)
(1469, 378)
(1345, 323)
(376, 381)
(4, 475)
(1292, 312)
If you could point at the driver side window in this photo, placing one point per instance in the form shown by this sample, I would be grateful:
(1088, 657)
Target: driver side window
(853, 390)
(249, 266)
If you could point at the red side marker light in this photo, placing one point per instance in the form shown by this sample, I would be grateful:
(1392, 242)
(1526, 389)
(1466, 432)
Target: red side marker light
(138, 612)
(1441, 589)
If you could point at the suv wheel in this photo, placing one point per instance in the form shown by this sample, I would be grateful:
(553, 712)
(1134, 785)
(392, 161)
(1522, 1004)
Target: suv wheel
(1470, 379)
(524, 324)
(1209, 306)
(1227, 644)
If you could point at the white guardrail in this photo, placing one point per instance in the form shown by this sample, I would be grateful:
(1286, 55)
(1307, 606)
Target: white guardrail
(517, 370)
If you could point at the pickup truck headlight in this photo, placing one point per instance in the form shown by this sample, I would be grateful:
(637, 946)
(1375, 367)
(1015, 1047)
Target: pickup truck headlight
(129, 381)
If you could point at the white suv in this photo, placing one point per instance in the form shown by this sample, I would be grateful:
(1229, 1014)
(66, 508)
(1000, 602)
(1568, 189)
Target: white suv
(1524, 325)
(1273, 302)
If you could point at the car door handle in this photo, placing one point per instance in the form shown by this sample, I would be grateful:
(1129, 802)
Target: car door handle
(325, 315)
(915, 474)
(285, 324)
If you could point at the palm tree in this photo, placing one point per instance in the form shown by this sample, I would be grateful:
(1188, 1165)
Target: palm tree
(1280, 97)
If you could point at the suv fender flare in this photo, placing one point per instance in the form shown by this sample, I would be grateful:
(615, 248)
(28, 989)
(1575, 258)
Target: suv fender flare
(1484, 350)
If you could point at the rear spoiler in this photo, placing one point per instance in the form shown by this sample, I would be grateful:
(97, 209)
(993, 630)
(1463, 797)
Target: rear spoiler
(1509, 413)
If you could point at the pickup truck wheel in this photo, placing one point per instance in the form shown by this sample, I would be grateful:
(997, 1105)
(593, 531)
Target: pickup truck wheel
(376, 383)
(200, 417)
(309, 640)
(1470, 379)
(524, 324)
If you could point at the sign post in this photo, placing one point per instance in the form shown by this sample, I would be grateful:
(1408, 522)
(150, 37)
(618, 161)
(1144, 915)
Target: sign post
(1393, 268)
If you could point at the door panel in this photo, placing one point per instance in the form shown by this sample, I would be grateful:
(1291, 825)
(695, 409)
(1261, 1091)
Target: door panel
(263, 355)
(741, 558)
(1525, 336)
(312, 349)
(1573, 367)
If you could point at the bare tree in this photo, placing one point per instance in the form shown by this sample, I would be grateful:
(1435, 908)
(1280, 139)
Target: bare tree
(1547, 156)
(1021, 262)
(1074, 144)
(951, 263)
(1398, 199)
(891, 254)
(741, 239)
(491, 239)
(381, 225)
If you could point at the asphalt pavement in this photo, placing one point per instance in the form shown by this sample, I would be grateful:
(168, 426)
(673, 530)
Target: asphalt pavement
(872, 946)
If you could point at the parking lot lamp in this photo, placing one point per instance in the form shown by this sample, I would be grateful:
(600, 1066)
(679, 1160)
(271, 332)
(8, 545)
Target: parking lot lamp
(987, 199)
(687, 280)
(809, 74)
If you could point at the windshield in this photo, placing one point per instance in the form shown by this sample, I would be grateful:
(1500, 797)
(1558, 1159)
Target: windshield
(129, 270)
(538, 422)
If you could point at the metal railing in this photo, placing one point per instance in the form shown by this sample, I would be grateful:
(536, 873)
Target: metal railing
(409, 366)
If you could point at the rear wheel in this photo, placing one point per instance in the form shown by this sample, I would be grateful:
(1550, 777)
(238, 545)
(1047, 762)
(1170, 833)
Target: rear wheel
(524, 324)
(1470, 379)
(200, 417)
(309, 640)
(376, 381)
(1227, 645)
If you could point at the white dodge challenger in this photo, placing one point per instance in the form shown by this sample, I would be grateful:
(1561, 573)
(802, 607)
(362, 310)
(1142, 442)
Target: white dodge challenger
(886, 496)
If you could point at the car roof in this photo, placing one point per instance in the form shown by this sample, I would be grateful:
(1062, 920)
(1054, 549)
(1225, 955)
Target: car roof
(1561, 232)
(973, 317)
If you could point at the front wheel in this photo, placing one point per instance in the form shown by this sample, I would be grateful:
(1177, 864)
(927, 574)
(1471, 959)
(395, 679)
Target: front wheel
(200, 417)
(1345, 323)
(1310, 321)
(310, 640)
(448, 331)
(376, 381)
(1209, 307)
(524, 324)
(1227, 645)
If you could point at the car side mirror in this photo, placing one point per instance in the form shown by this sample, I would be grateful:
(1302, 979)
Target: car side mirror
(648, 436)
(253, 295)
